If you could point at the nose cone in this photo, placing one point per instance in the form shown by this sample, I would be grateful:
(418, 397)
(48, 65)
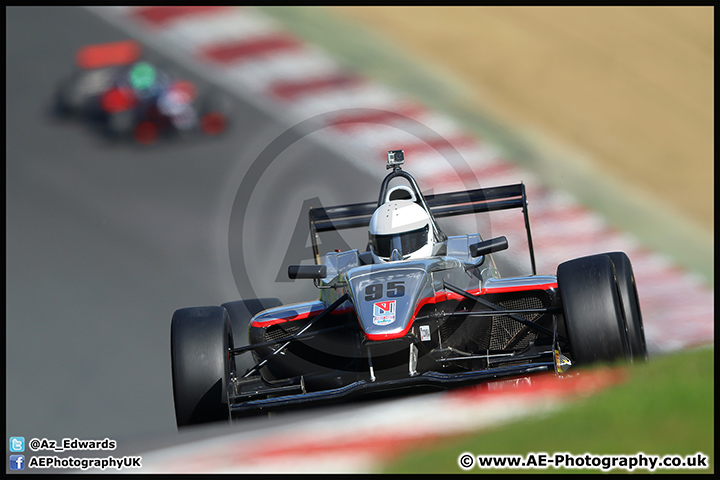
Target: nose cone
(386, 296)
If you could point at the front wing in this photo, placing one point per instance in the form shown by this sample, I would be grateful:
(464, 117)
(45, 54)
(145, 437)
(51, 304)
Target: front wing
(427, 380)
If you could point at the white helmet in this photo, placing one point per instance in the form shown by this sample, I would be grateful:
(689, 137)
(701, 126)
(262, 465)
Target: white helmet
(400, 225)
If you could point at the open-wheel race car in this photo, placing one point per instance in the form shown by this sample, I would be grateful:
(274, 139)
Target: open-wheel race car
(123, 96)
(416, 310)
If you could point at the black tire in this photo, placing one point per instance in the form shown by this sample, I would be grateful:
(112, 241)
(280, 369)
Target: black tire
(241, 312)
(631, 305)
(593, 314)
(63, 105)
(200, 339)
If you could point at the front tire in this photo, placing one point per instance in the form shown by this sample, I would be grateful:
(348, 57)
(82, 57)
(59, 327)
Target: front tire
(631, 305)
(593, 314)
(70, 99)
(63, 107)
(200, 343)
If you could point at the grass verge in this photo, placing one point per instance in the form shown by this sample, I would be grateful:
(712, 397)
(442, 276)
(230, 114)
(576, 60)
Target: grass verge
(666, 407)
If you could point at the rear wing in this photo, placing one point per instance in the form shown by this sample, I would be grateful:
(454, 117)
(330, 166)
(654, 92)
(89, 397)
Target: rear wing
(480, 200)
(108, 54)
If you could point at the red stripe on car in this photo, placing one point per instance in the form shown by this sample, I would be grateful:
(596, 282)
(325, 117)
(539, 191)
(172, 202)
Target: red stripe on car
(519, 288)
(445, 296)
(301, 316)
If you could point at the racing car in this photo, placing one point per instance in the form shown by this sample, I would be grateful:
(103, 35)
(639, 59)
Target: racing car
(126, 97)
(415, 310)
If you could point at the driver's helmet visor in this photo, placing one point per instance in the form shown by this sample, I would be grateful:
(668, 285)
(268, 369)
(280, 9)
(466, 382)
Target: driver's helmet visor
(406, 242)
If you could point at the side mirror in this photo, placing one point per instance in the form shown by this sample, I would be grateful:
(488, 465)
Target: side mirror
(307, 271)
(488, 246)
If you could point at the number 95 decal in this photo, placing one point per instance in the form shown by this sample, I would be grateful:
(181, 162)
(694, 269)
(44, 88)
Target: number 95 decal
(392, 289)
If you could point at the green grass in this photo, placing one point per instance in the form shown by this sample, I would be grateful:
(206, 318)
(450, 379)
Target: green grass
(665, 407)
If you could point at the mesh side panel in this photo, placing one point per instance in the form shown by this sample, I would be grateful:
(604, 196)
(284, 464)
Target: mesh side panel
(276, 332)
(448, 327)
(468, 334)
(525, 340)
(504, 328)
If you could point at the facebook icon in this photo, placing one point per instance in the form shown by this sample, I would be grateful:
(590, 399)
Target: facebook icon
(17, 462)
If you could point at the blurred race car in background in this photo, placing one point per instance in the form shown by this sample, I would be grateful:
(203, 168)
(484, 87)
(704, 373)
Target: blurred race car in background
(125, 96)
(417, 310)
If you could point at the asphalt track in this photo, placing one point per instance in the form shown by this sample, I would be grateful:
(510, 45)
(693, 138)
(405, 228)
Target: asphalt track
(105, 241)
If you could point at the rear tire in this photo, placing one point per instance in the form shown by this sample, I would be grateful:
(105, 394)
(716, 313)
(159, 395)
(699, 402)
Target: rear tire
(241, 312)
(631, 305)
(593, 313)
(200, 339)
